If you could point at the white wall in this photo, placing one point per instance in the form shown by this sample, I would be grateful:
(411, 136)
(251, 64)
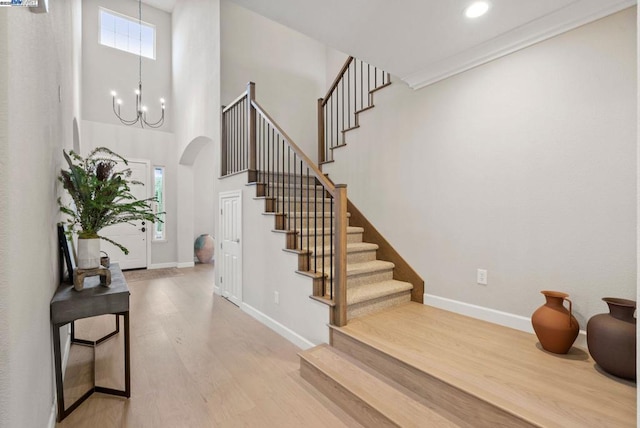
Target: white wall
(205, 202)
(36, 65)
(266, 268)
(287, 67)
(196, 73)
(106, 69)
(525, 166)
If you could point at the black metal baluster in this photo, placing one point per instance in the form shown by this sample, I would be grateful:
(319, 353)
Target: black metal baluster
(282, 175)
(308, 230)
(300, 205)
(294, 186)
(322, 258)
(361, 88)
(338, 135)
(348, 98)
(368, 85)
(315, 227)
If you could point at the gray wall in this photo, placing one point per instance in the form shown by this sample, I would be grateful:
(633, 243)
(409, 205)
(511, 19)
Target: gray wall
(37, 107)
(287, 67)
(525, 166)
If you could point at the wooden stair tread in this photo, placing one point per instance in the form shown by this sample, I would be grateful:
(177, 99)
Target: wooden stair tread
(362, 293)
(499, 365)
(400, 409)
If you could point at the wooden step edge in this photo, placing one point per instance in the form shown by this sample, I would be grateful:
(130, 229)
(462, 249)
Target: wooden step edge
(441, 388)
(376, 89)
(345, 131)
(327, 161)
(338, 146)
(296, 251)
(362, 394)
(310, 274)
(369, 107)
(323, 300)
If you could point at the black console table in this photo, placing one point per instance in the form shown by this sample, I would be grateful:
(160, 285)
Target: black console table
(69, 305)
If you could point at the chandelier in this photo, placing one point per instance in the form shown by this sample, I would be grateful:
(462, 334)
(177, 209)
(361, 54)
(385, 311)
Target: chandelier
(141, 109)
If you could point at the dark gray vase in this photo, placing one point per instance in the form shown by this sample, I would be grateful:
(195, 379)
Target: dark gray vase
(611, 338)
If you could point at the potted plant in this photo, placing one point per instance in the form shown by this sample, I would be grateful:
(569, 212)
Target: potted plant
(101, 197)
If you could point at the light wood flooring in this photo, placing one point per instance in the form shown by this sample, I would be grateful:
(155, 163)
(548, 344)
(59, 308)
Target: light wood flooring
(502, 366)
(198, 361)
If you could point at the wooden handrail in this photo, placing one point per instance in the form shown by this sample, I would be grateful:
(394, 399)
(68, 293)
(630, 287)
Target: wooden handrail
(235, 102)
(267, 157)
(343, 70)
(326, 183)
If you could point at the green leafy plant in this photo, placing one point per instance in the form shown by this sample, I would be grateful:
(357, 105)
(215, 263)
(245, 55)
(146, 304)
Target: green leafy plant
(101, 194)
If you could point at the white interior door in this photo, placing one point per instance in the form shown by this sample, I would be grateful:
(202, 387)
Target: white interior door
(134, 237)
(230, 262)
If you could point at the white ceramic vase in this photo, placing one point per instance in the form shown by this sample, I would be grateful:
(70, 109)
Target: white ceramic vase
(88, 253)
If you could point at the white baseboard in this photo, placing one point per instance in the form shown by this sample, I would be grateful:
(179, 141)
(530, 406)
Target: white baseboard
(53, 415)
(162, 265)
(186, 265)
(505, 319)
(274, 325)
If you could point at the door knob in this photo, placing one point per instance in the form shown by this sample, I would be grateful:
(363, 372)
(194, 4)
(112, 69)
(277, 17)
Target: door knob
(143, 229)
(237, 241)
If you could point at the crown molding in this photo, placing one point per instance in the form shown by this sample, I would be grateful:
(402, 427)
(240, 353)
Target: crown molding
(565, 19)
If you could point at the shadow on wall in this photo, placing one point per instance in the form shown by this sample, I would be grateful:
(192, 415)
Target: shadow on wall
(190, 152)
(76, 136)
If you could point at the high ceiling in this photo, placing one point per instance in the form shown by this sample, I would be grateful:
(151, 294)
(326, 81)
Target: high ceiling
(423, 41)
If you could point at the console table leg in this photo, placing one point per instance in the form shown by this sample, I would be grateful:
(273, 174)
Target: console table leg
(58, 366)
(127, 356)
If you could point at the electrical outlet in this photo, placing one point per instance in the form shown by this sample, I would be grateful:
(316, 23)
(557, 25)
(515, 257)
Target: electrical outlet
(276, 297)
(482, 277)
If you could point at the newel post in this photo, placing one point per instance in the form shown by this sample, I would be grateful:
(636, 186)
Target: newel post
(340, 274)
(321, 155)
(223, 143)
(251, 132)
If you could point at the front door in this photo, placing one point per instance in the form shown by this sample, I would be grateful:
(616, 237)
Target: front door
(132, 236)
(230, 264)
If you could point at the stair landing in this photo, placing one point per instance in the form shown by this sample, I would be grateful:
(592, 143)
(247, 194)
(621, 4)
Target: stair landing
(474, 373)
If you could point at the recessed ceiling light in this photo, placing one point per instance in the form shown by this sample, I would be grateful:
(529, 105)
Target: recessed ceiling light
(476, 9)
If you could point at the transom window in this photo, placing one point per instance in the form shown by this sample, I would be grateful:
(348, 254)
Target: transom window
(124, 33)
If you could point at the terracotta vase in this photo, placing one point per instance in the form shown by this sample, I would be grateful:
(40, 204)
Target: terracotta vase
(611, 338)
(554, 325)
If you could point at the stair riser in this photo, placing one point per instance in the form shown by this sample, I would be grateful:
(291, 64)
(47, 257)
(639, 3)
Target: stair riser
(351, 239)
(358, 257)
(311, 221)
(471, 410)
(306, 192)
(371, 306)
(277, 178)
(369, 277)
(360, 410)
(296, 206)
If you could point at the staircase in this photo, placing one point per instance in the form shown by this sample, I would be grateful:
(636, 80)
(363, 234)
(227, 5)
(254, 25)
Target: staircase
(303, 215)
